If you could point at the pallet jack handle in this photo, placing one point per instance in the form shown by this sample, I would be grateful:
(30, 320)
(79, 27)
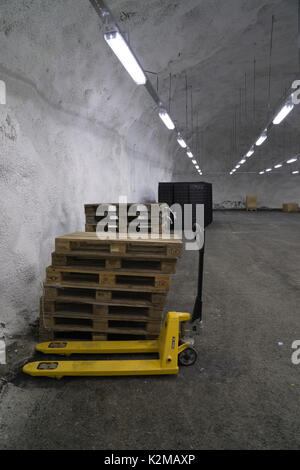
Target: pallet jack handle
(197, 311)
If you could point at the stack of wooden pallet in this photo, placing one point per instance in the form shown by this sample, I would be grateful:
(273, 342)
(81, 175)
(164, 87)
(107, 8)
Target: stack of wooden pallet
(140, 212)
(107, 289)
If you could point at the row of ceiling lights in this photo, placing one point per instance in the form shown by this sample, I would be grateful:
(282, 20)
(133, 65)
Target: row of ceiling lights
(287, 107)
(122, 50)
(281, 165)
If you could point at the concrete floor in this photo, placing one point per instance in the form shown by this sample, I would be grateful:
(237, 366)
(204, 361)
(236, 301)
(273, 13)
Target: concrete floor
(243, 393)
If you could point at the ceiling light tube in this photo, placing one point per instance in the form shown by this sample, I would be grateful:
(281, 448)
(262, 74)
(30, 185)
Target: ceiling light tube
(242, 162)
(195, 162)
(120, 47)
(181, 141)
(238, 166)
(261, 139)
(261, 172)
(251, 152)
(189, 154)
(268, 170)
(295, 172)
(285, 110)
(278, 166)
(164, 116)
(292, 160)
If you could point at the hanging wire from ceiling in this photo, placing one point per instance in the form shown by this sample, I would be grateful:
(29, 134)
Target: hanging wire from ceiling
(285, 108)
(117, 42)
(254, 89)
(270, 65)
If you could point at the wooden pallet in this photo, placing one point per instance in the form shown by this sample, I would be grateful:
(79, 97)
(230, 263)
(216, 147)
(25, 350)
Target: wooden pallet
(98, 311)
(105, 297)
(94, 278)
(135, 208)
(46, 334)
(94, 262)
(142, 228)
(113, 219)
(92, 323)
(89, 243)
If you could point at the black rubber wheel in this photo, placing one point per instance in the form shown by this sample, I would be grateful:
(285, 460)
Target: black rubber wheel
(188, 356)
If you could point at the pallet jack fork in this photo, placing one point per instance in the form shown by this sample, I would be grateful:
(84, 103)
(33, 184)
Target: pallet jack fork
(168, 346)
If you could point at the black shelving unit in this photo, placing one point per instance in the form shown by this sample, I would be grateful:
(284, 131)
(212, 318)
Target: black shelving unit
(189, 193)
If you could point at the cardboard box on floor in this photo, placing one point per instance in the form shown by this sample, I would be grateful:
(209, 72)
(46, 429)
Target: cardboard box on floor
(251, 203)
(290, 207)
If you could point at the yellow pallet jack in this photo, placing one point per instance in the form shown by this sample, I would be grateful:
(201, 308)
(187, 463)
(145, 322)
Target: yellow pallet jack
(170, 347)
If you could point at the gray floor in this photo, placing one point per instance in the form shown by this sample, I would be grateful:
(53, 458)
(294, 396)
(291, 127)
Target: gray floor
(243, 393)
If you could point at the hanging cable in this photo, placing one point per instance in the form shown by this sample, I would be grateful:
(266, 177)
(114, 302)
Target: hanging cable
(270, 64)
(254, 88)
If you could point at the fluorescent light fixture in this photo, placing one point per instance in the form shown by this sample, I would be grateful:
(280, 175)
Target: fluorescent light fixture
(166, 119)
(261, 172)
(238, 166)
(195, 162)
(120, 47)
(251, 152)
(278, 166)
(268, 170)
(233, 171)
(292, 160)
(197, 167)
(295, 172)
(242, 162)
(189, 154)
(261, 139)
(181, 141)
(285, 110)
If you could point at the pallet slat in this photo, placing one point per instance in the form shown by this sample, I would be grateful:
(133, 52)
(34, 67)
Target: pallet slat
(89, 242)
(94, 278)
(131, 208)
(105, 297)
(143, 219)
(116, 263)
(92, 228)
(83, 335)
(65, 322)
(117, 312)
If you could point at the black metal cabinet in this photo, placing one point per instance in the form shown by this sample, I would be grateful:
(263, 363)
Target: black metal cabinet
(188, 193)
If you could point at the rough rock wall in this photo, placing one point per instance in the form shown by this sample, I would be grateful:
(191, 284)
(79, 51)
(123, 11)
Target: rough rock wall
(75, 130)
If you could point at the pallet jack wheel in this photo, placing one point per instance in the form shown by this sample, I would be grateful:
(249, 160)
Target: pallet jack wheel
(188, 356)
